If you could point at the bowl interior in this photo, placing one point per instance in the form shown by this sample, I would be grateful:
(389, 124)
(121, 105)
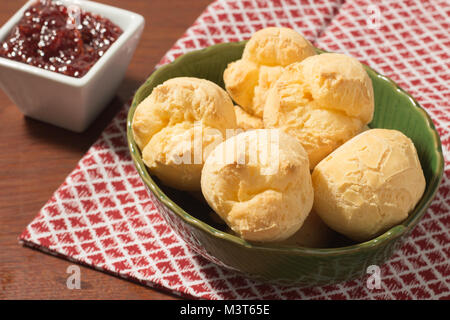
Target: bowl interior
(394, 109)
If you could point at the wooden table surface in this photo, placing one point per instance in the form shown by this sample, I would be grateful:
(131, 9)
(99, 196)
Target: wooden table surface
(36, 157)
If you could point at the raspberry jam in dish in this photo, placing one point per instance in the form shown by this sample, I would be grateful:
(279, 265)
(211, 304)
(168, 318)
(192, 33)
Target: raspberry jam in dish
(60, 39)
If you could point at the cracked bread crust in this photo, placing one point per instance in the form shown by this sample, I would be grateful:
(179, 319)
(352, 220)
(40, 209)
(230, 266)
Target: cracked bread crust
(166, 122)
(323, 101)
(369, 184)
(259, 206)
(265, 56)
(246, 121)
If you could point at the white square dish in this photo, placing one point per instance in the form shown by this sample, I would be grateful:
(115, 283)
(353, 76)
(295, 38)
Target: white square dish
(64, 101)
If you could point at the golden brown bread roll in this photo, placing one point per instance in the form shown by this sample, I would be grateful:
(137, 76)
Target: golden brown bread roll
(314, 233)
(178, 124)
(323, 101)
(246, 121)
(265, 55)
(369, 184)
(259, 183)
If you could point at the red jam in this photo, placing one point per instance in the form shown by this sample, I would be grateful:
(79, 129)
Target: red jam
(51, 37)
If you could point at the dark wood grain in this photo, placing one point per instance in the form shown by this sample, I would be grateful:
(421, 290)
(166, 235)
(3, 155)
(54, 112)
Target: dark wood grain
(36, 157)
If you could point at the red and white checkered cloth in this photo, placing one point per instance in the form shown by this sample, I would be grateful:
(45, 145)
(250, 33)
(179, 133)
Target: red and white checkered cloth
(102, 215)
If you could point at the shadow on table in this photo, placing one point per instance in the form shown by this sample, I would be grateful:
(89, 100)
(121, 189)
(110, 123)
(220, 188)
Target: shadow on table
(82, 141)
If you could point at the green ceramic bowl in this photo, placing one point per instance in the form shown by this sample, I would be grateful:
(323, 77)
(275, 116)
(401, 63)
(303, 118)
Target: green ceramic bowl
(394, 109)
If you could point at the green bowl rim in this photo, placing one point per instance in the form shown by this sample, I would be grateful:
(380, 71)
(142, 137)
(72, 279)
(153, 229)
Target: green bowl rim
(393, 233)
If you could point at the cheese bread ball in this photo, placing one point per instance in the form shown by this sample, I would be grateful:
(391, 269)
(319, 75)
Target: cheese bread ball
(265, 55)
(178, 124)
(246, 121)
(259, 183)
(369, 184)
(323, 101)
(314, 233)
